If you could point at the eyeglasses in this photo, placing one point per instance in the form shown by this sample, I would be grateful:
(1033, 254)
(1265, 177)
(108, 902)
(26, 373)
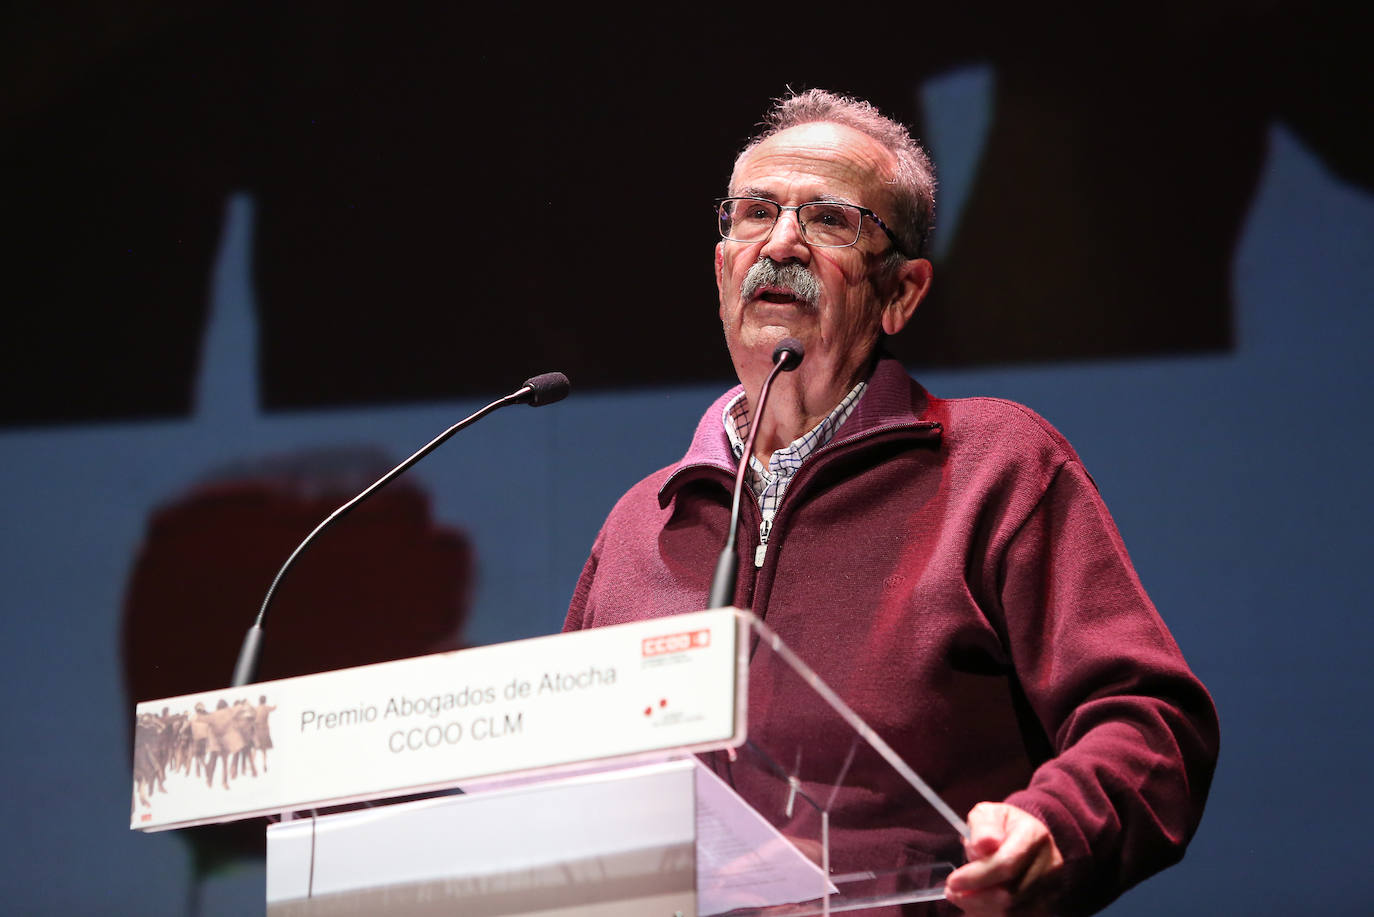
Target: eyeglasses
(830, 224)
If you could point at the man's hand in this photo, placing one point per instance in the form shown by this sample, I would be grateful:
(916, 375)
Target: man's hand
(1012, 863)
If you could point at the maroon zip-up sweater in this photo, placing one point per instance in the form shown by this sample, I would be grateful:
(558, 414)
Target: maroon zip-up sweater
(948, 567)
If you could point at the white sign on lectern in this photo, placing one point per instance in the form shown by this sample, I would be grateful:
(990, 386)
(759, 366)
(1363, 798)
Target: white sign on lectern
(436, 721)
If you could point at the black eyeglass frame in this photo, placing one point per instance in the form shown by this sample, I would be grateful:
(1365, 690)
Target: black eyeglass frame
(863, 211)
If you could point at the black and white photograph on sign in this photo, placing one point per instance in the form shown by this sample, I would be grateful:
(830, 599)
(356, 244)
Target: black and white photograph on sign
(184, 752)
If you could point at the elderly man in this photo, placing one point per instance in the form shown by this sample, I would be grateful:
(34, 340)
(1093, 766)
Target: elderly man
(946, 565)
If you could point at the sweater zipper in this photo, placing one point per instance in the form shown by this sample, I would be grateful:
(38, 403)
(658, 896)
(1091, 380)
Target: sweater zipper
(761, 551)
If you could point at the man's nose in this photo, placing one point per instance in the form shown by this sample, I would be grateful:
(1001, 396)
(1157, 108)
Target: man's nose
(786, 242)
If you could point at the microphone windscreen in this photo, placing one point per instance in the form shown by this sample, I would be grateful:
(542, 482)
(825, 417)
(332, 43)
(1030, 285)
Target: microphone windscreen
(546, 389)
(790, 352)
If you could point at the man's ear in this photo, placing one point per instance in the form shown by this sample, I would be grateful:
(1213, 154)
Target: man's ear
(910, 287)
(720, 264)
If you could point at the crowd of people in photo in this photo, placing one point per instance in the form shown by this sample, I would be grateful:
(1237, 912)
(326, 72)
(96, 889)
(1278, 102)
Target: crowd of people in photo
(233, 739)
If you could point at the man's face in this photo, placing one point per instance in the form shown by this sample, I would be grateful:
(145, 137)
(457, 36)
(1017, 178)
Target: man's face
(810, 162)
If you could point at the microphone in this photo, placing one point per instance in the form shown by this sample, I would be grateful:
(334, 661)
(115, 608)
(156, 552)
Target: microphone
(546, 388)
(539, 390)
(789, 353)
(787, 356)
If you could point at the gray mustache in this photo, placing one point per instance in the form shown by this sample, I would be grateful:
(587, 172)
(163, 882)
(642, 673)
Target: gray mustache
(794, 278)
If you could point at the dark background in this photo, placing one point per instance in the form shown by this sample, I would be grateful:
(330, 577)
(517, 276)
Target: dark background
(252, 252)
(432, 185)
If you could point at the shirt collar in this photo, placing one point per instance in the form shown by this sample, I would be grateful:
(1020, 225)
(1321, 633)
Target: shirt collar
(735, 418)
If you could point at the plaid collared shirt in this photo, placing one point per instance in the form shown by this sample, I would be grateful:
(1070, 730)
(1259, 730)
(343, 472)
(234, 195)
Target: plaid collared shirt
(771, 483)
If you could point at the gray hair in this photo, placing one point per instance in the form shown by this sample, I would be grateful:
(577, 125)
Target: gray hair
(913, 183)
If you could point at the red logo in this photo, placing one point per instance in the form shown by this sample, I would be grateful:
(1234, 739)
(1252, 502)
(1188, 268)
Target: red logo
(676, 643)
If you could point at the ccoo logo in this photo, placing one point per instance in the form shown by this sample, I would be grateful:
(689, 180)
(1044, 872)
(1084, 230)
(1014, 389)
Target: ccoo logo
(676, 643)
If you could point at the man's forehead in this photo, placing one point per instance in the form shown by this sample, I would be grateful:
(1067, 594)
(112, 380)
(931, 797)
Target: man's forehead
(832, 160)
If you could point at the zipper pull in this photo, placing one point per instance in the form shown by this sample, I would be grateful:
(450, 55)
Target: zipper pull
(761, 550)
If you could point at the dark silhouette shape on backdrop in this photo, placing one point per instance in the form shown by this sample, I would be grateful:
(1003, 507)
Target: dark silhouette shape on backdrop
(436, 186)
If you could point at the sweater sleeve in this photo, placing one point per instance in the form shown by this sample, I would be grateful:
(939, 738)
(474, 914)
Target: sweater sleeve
(578, 607)
(1133, 731)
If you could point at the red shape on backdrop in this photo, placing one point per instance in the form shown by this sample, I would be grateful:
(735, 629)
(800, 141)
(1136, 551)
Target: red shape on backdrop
(384, 582)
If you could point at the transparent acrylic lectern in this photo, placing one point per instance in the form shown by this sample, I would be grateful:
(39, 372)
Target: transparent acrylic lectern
(802, 810)
(834, 789)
